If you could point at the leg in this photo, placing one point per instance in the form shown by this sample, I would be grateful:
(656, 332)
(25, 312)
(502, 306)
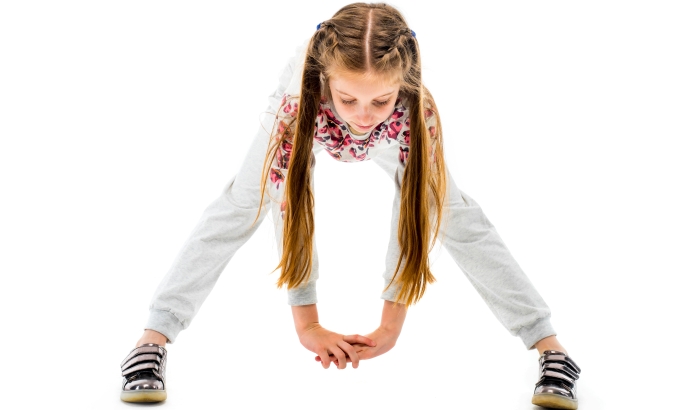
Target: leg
(479, 251)
(481, 254)
(226, 225)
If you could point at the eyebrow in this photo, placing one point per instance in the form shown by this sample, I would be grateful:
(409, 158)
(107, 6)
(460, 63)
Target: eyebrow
(380, 96)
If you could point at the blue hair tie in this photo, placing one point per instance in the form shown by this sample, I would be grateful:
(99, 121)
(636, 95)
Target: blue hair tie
(318, 27)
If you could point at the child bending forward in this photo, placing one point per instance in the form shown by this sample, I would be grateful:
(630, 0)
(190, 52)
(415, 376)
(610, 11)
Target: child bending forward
(355, 93)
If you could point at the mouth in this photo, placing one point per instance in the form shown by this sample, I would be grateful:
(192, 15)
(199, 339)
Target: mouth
(364, 127)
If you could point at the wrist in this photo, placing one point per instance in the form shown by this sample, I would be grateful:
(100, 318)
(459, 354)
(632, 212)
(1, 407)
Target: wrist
(305, 318)
(393, 317)
(305, 328)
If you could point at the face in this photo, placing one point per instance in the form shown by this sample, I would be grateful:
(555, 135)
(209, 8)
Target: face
(363, 101)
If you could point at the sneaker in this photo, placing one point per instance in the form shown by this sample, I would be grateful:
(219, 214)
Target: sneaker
(144, 374)
(556, 388)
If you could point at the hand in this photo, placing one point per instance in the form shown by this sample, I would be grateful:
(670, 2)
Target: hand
(332, 347)
(384, 339)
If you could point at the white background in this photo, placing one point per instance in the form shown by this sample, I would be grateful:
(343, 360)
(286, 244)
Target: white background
(574, 125)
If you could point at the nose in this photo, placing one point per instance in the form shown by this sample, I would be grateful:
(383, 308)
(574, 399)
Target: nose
(364, 116)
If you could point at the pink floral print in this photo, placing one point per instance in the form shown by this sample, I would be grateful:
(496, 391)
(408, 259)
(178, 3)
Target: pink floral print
(333, 134)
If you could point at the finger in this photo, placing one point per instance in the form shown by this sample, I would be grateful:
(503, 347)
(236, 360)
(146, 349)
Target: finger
(334, 360)
(332, 357)
(352, 354)
(325, 360)
(359, 346)
(359, 339)
(339, 356)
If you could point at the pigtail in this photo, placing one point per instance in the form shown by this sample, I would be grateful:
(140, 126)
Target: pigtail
(424, 180)
(297, 249)
(298, 231)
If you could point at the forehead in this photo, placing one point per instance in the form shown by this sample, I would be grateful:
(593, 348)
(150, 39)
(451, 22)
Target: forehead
(364, 84)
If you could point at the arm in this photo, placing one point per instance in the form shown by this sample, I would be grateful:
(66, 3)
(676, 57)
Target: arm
(329, 346)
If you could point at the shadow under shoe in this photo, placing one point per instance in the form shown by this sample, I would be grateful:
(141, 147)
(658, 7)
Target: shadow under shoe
(144, 374)
(556, 388)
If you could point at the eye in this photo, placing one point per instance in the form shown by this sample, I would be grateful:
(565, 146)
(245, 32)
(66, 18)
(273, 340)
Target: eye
(347, 102)
(380, 103)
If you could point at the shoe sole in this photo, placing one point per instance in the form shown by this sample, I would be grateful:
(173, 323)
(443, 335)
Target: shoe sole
(554, 401)
(144, 396)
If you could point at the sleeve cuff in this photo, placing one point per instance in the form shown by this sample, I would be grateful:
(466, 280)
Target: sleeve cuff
(302, 295)
(391, 293)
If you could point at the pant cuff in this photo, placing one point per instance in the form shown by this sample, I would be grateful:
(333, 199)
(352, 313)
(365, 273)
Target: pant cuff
(164, 322)
(536, 332)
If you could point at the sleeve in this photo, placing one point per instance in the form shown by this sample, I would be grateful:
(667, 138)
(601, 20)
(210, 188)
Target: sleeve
(395, 165)
(285, 110)
(306, 293)
(393, 252)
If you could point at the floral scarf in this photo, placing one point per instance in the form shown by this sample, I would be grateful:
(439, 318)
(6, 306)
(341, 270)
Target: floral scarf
(334, 135)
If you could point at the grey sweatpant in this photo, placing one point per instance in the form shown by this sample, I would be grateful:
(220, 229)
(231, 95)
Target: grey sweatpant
(227, 223)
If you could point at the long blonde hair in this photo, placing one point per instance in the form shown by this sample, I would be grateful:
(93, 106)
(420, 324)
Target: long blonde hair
(364, 38)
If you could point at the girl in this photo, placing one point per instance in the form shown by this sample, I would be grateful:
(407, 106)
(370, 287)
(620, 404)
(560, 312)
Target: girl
(355, 92)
